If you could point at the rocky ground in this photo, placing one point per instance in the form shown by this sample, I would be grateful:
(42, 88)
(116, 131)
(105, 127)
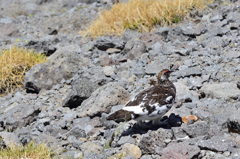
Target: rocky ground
(66, 100)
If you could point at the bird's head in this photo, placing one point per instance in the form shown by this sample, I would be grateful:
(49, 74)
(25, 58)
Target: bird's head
(164, 74)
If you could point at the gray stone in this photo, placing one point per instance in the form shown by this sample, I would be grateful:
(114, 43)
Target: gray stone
(233, 122)
(233, 16)
(104, 43)
(77, 131)
(53, 130)
(180, 150)
(134, 49)
(10, 29)
(179, 134)
(160, 63)
(126, 139)
(83, 85)
(233, 54)
(153, 141)
(108, 70)
(185, 71)
(19, 116)
(93, 156)
(226, 91)
(91, 147)
(103, 99)
(183, 93)
(71, 154)
(163, 31)
(216, 143)
(195, 82)
(62, 64)
(199, 128)
(10, 139)
(130, 34)
(216, 18)
(82, 122)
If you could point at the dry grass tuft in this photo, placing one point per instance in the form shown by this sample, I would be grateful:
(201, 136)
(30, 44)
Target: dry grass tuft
(30, 151)
(14, 63)
(141, 15)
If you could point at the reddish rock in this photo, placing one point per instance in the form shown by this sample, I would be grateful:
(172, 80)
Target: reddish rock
(180, 151)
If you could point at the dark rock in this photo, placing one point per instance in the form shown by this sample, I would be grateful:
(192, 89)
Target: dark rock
(103, 99)
(233, 122)
(104, 43)
(180, 150)
(154, 141)
(31, 88)
(45, 46)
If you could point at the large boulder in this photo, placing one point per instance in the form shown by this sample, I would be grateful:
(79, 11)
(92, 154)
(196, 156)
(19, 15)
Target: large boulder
(19, 116)
(103, 99)
(226, 91)
(104, 43)
(61, 65)
(85, 82)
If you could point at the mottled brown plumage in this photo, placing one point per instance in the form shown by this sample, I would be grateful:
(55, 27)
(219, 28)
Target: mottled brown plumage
(151, 103)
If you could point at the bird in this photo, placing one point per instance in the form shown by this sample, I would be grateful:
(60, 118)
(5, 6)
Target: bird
(151, 103)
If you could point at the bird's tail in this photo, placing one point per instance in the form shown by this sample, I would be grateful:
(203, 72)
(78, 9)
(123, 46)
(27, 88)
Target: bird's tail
(120, 114)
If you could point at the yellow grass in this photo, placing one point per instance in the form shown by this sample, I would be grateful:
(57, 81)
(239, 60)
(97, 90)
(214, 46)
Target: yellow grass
(30, 151)
(14, 63)
(141, 15)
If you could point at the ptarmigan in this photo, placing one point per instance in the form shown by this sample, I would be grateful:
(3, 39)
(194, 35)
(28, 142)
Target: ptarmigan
(151, 103)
